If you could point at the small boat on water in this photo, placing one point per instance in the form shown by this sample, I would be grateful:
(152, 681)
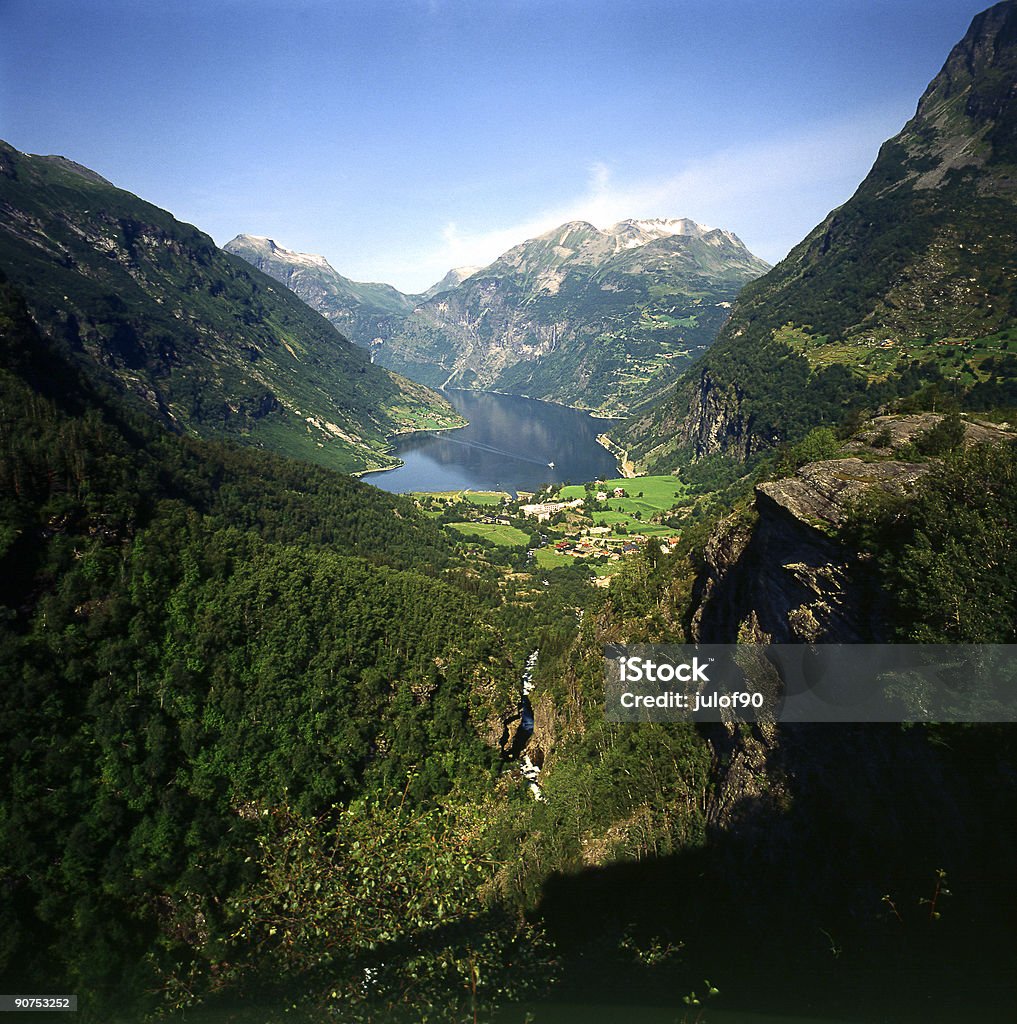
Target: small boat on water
(550, 465)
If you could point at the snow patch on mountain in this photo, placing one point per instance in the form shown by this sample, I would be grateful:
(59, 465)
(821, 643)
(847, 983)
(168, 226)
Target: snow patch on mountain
(272, 248)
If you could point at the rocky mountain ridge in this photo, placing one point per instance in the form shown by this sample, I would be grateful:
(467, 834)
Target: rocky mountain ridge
(577, 315)
(361, 311)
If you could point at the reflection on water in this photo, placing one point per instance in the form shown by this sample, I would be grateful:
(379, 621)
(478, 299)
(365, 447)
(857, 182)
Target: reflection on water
(507, 446)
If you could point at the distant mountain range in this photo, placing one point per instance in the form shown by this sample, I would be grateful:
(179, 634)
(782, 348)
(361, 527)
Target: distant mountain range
(595, 319)
(910, 285)
(199, 338)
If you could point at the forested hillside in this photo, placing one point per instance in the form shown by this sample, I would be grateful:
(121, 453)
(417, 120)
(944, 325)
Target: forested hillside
(253, 749)
(278, 745)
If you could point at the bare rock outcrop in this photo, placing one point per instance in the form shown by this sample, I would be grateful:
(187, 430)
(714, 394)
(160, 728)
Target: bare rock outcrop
(820, 492)
(786, 578)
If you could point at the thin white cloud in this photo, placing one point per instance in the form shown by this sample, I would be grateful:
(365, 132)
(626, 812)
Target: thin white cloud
(771, 194)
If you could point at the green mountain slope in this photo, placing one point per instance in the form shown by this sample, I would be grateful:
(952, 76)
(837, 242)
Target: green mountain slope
(911, 281)
(204, 342)
(192, 633)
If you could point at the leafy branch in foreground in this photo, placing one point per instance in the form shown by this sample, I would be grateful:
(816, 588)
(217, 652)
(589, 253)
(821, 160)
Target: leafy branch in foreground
(933, 902)
(694, 1002)
(374, 909)
(946, 552)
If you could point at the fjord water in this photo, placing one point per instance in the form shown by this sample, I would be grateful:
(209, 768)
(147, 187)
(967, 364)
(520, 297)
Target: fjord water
(506, 447)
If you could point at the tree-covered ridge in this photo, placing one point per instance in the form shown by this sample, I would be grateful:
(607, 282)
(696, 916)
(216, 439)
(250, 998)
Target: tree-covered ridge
(73, 452)
(913, 273)
(196, 336)
(174, 665)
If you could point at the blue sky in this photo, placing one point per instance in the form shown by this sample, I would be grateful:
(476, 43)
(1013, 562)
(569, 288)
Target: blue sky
(402, 137)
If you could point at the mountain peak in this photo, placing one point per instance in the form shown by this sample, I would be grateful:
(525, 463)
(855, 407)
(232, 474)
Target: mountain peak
(572, 232)
(660, 226)
(264, 246)
(452, 279)
(631, 233)
(987, 46)
(580, 236)
(352, 306)
(966, 118)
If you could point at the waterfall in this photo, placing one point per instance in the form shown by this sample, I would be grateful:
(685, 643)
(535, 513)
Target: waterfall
(529, 771)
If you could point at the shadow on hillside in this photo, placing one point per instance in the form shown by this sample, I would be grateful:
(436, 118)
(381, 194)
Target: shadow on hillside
(834, 905)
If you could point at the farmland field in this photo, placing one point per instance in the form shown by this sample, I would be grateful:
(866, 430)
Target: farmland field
(647, 495)
(507, 536)
(657, 492)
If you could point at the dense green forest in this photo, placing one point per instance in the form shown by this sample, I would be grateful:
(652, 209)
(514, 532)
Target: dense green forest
(194, 637)
(946, 552)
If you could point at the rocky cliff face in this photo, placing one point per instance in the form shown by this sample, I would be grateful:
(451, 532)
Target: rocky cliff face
(717, 420)
(785, 577)
(709, 414)
(782, 580)
(781, 575)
